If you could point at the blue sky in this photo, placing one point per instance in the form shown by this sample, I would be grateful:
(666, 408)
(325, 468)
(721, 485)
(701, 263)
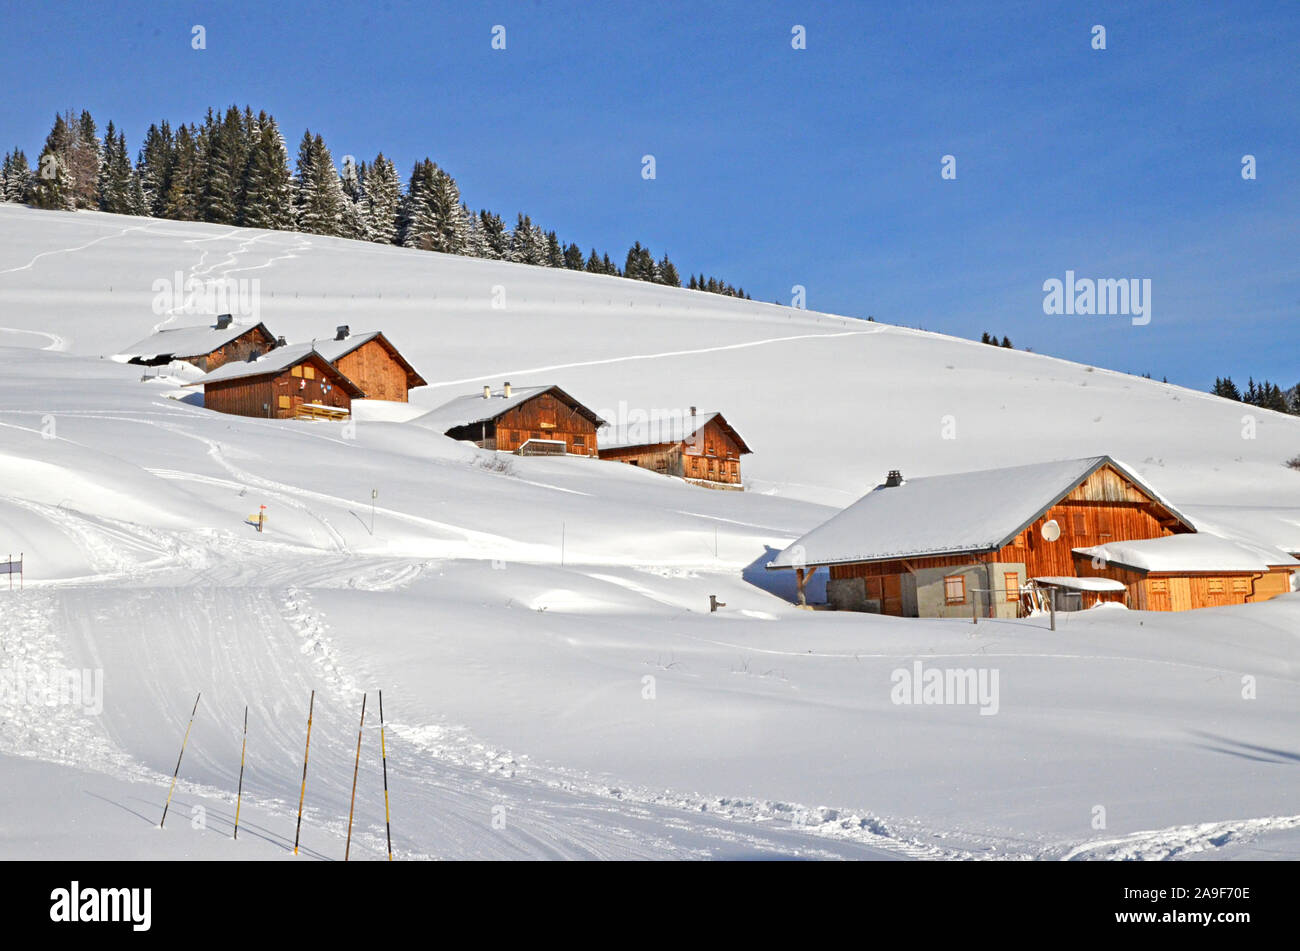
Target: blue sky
(777, 167)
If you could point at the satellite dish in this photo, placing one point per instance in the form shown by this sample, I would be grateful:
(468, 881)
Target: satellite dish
(1051, 531)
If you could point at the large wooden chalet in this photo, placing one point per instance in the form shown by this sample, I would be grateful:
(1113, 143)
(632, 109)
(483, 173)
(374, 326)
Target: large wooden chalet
(371, 362)
(701, 448)
(528, 420)
(975, 543)
(290, 382)
(208, 346)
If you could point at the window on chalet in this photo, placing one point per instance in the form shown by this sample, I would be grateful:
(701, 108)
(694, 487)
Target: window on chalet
(1011, 581)
(1103, 522)
(954, 589)
(1159, 585)
(1215, 586)
(284, 402)
(580, 441)
(1080, 523)
(309, 373)
(1240, 586)
(296, 371)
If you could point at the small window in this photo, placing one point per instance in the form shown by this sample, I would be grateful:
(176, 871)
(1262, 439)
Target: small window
(1159, 585)
(1215, 585)
(954, 589)
(580, 441)
(1080, 523)
(284, 402)
(296, 371)
(1240, 586)
(309, 373)
(1011, 580)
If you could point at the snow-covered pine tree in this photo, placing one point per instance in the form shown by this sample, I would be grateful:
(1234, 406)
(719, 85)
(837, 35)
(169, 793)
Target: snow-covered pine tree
(495, 235)
(181, 202)
(593, 265)
(554, 253)
(417, 226)
(667, 273)
(222, 162)
(319, 198)
(573, 257)
(267, 187)
(383, 198)
(154, 166)
(52, 179)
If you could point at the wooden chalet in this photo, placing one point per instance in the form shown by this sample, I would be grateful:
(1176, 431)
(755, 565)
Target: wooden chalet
(207, 347)
(701, 448)
(528, 420)
(291, 382)
(371, 362)
(977, 542)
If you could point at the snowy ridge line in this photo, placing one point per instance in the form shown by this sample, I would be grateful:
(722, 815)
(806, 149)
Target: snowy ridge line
(1179, 841)
(499, 374)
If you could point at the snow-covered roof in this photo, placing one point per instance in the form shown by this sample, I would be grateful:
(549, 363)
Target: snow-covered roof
(474, 408)
(947, 514)
(182, 342)
(276, 361)
(334, 350)
(1189, 553)
(1082, 584)
(659, 427)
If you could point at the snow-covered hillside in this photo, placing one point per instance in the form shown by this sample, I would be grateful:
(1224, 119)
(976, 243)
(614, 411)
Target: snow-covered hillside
(512, 613)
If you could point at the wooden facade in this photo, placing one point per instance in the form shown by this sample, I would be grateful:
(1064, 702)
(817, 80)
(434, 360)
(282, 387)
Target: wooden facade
(280, 394)
(1183, 591)
(380, 371)
(710, 456)
(549, 421)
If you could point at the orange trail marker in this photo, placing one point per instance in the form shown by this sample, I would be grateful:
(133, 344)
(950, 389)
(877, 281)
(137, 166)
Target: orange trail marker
(184, 742)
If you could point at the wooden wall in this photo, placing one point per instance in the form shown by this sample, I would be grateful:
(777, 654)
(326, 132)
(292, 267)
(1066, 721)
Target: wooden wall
(374, 369)
(712, 456)
(281, 393)
(544, 417)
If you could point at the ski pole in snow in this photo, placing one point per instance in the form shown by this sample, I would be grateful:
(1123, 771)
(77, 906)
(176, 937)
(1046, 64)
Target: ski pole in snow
(303, 794)
(383, 752)
(356, 766)
(239, 797)
(184, 742)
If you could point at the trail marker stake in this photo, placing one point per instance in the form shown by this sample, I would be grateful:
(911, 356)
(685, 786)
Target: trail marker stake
(355, 768)
(239, 797)
(383, 751)
(303, 793)
(177, 772)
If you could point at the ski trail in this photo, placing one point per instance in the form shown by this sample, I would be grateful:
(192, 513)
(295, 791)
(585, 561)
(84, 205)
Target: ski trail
(1181, 841)
(56, 342)
(43, 254)
(500, 374)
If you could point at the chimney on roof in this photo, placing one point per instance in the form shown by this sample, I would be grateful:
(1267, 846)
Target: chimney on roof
(281, 342)
(223, 321)
(894, 479)
(487, 392)
(341, 332)
(507, 390)
(692, 412)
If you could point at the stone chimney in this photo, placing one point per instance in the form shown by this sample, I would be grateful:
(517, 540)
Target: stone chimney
(487, 392)
(507, 390)
(223, 321)
(341, 332)
(894, 479)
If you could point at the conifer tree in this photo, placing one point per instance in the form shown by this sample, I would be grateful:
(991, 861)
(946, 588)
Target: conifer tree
(267, 191)
(52, 181)
(383, 198)
(182, 203)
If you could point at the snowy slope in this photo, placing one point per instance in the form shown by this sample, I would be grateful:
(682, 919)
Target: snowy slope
(511, 612)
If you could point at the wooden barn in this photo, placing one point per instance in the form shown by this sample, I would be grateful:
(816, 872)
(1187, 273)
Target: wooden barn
(207, 347)
(292, 382)
(371, 362)
(701, 448)
(976, 542)
(528, 420)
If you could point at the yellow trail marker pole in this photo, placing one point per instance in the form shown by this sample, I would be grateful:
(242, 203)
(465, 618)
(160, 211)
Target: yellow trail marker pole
(357, 766)
(239, 799)
(302, 795)
(383, 751)
(184, 742)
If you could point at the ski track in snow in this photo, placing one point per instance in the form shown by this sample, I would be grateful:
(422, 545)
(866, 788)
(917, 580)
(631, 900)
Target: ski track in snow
(82, 247)
(500, 374)
(1180, 841)
(56, 342)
